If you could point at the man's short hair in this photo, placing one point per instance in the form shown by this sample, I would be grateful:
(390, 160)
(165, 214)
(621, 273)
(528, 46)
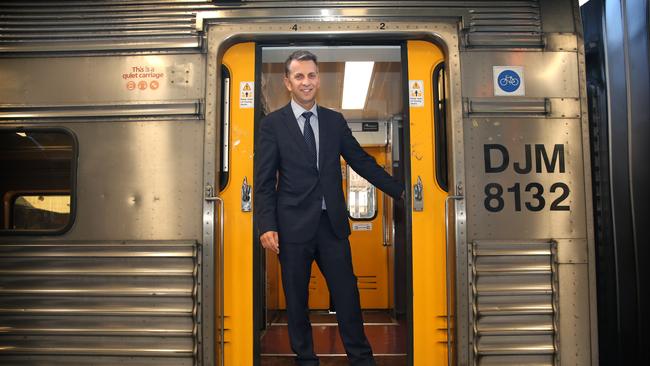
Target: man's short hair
(300, 55)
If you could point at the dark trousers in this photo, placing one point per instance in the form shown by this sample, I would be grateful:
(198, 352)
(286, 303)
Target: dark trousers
(334, 259)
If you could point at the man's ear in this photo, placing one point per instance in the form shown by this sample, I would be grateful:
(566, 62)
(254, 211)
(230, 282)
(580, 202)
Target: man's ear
(287, 83)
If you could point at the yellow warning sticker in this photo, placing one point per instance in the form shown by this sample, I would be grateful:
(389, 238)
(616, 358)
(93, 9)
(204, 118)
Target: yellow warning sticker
(416, 93)
(246, 94)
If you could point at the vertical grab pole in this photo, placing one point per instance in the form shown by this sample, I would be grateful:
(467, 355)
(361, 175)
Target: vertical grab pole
(447, 275)
(210, 197)
(222, 309)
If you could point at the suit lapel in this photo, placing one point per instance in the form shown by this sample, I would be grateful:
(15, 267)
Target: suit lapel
(294, 130)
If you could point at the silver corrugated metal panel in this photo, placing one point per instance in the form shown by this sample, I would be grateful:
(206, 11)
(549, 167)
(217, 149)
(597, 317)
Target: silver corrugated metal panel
(514, 287)
(119, 303)
(515, 345)
(166, 108)
(513, 305)
(515, 324)
(501, 249)
(504, 24)
(519, 360)
(507, 265)
(74, 25)
(136, 24)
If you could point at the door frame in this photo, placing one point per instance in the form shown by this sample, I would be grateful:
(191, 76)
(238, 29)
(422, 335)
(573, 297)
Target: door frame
(220, 36)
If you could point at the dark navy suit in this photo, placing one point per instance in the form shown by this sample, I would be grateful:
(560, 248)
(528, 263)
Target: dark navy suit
(289, 190)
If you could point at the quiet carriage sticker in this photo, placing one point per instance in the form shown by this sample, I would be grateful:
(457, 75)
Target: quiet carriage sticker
(508, 80)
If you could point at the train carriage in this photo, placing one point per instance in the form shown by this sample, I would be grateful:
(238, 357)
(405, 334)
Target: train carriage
(127, 134)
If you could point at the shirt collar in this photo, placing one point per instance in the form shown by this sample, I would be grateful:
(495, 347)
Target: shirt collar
(299, 110)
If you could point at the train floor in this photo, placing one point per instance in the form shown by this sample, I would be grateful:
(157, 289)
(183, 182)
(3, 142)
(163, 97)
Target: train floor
(387, 337)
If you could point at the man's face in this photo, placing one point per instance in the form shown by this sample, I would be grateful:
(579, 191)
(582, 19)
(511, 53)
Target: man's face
(303, 82)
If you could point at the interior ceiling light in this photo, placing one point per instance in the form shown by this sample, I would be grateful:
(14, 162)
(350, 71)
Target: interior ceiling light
(355, 84)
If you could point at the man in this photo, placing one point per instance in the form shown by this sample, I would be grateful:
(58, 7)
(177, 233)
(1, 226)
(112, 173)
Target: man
(300, 208)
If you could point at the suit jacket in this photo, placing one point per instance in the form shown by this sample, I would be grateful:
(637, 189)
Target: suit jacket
(289, 188)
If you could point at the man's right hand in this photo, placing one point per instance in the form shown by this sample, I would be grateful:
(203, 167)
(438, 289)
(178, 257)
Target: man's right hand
(270, 241)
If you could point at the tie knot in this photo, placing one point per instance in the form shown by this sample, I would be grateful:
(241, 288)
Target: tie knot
(307, 115)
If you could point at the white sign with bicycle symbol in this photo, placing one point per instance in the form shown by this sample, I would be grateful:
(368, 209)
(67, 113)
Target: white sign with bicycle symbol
(508, 80)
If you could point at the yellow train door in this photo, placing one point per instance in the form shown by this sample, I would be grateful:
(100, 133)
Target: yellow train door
(428, 250)
(237, 270)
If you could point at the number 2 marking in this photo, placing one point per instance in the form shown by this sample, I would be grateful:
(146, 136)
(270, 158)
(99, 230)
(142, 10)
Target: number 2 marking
(555, 206)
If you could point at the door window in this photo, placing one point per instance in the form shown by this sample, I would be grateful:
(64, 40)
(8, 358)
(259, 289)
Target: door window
(362, 197)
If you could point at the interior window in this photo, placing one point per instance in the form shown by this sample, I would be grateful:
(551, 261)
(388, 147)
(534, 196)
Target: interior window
(36, 179)
(362, 197)
(440, 120)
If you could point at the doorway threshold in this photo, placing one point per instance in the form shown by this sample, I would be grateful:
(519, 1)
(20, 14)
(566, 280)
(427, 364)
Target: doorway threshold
(387, 336)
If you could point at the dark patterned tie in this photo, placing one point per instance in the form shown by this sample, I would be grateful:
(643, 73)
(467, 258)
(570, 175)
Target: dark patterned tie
(309, 136)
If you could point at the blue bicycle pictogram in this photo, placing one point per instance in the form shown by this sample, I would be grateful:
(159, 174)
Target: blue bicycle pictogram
(509, 81)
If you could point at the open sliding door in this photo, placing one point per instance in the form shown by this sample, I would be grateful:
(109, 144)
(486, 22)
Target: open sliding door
(428, 252)
(235, 295)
